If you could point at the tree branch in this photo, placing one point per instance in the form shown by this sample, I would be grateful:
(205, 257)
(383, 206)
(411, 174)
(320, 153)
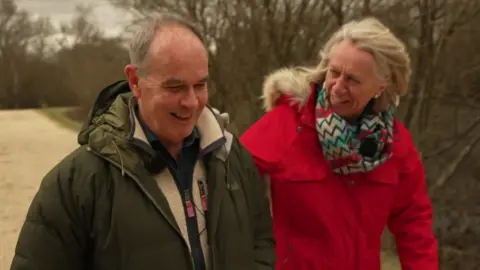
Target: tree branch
(453, 165)
(458, 139)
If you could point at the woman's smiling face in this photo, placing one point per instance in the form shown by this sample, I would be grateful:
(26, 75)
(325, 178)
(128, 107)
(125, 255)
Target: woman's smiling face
(351, 81)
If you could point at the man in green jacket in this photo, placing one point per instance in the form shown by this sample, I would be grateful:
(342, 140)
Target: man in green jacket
(157, 182)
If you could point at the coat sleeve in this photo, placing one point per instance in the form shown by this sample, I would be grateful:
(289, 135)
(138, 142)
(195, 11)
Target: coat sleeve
(264, 243)
(54, 234)
(411, 219)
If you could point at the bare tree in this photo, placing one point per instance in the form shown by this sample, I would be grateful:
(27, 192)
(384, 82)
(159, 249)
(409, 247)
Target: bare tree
(439, 20)
(18, 32)
(91, 61)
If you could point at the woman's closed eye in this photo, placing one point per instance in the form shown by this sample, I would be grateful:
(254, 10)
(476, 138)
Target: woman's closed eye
(353, 80)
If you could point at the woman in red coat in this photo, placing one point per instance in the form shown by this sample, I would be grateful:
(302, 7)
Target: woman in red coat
(341, 167)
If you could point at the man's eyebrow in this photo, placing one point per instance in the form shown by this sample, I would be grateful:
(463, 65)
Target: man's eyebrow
(205, 79)
(173, 81)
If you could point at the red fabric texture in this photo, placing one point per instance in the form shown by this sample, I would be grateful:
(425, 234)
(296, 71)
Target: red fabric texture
(327, 221)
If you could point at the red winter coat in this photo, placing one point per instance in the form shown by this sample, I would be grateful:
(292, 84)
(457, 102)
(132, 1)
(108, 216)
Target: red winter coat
(327, 221)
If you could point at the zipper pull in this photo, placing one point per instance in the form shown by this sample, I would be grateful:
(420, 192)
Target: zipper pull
(189, 204)
(203, 196)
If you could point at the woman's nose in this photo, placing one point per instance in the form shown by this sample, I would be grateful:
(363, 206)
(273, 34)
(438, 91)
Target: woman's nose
(339, 86)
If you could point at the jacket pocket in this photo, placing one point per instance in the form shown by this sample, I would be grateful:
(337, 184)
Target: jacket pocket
(295, 260)
(385, 174)
(240, 204)
(287, 257)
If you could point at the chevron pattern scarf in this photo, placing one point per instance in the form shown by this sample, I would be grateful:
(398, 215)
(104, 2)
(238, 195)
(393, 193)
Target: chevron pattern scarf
(353, 148)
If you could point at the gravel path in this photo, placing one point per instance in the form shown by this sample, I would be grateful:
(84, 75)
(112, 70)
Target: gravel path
(30, 145)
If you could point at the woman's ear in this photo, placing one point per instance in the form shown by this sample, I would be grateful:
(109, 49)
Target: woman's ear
(381, 102)
(380, 92)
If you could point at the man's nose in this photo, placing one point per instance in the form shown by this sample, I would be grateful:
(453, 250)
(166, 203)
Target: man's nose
(190, 100)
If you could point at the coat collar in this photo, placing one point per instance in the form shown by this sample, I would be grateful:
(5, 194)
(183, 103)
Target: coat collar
(291, 86)
(290, 82)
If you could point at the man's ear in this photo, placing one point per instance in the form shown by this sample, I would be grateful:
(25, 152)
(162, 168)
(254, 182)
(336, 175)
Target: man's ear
(132, 77)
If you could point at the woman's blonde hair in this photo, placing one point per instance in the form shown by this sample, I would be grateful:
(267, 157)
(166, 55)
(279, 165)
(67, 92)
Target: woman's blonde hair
(392, 60)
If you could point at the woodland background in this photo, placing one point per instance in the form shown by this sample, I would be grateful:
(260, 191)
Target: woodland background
(250, 38)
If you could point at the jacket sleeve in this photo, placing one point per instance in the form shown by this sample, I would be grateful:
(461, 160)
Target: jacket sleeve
(53, 235)
(264, 243)
(411, 219)
(268, 138)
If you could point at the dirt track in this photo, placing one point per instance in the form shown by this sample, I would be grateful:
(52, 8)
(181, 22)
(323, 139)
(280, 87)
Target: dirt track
(30, 144)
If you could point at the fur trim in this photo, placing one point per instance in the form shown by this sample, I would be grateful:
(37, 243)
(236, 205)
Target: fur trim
(286, 81)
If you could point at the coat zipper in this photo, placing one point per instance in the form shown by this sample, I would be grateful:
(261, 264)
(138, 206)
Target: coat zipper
(137, 181)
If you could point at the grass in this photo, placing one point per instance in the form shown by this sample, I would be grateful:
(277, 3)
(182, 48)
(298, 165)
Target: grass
(60, 115)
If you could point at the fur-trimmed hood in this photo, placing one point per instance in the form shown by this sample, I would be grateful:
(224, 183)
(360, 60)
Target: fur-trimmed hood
(286, 81)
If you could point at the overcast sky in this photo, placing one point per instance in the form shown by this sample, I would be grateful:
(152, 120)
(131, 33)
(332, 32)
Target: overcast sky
(109, 18)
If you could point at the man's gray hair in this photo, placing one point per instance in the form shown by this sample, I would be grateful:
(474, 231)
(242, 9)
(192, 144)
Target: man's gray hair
(143, 36)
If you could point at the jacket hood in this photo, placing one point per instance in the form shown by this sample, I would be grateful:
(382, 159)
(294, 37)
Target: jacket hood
(292, 82)
(108, 129)
(101, 106)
